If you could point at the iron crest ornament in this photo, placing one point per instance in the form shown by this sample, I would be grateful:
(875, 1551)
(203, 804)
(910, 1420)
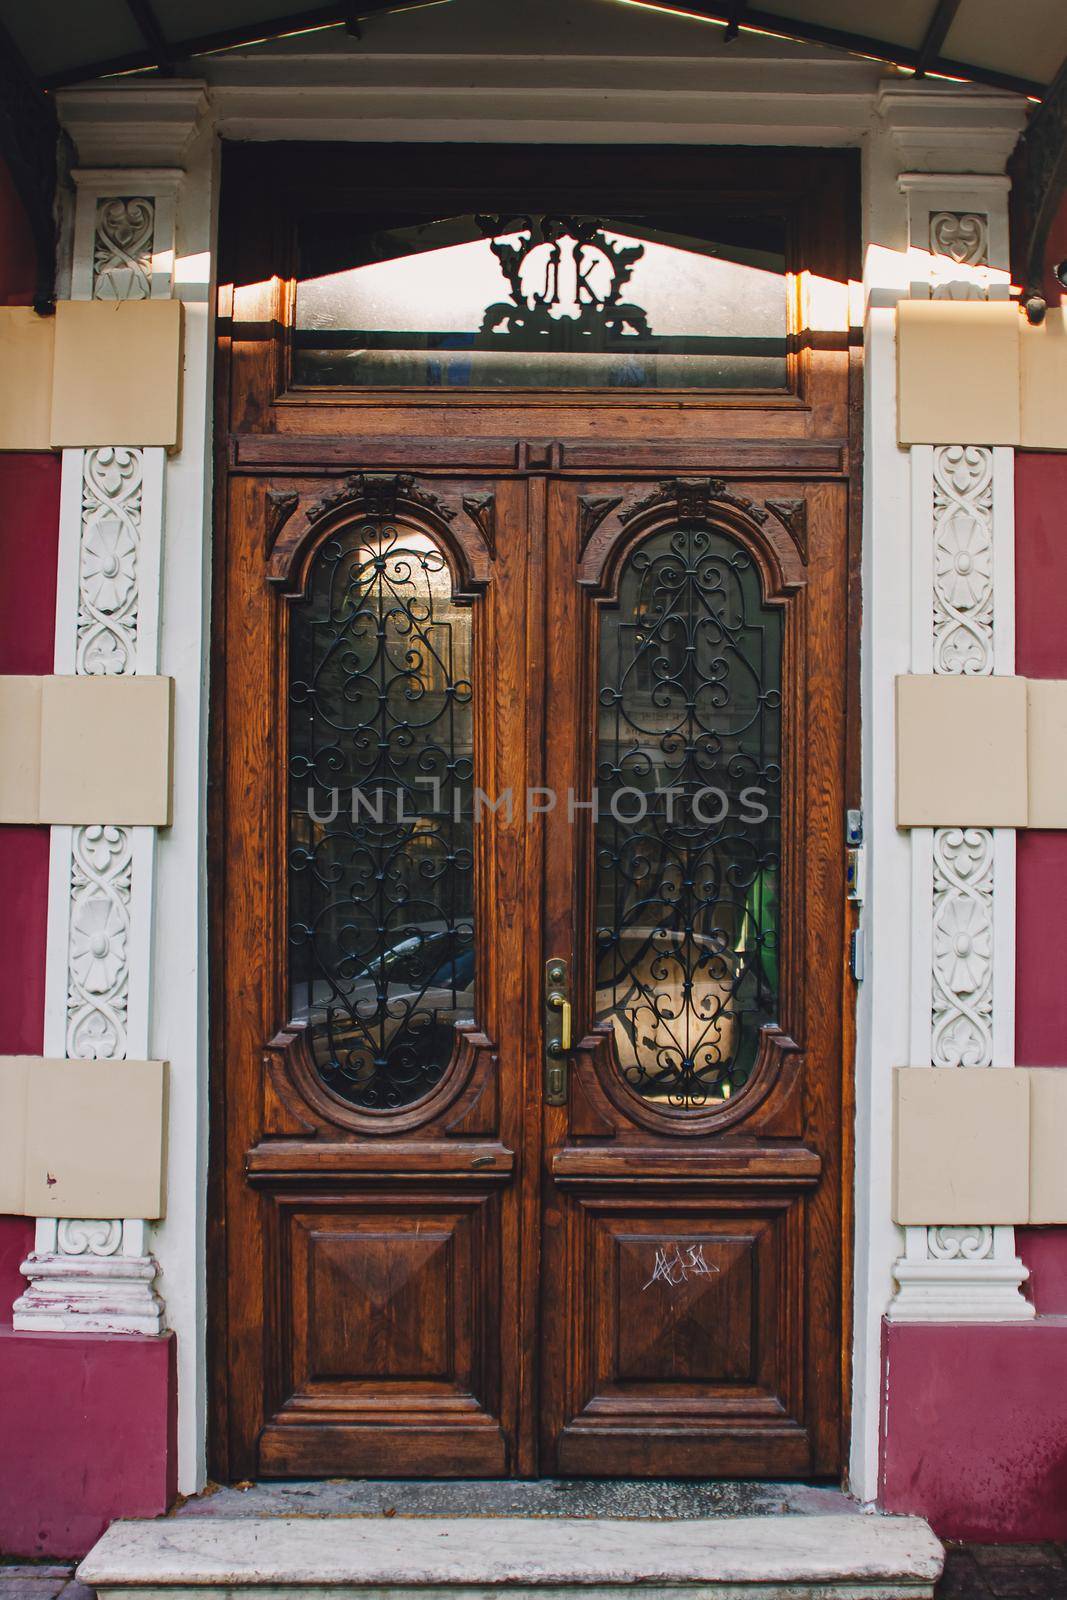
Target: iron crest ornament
(570, 290)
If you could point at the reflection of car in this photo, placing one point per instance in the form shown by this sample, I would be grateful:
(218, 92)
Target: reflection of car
(442, 959)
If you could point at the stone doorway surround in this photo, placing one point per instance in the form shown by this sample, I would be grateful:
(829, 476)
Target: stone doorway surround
(928, 153)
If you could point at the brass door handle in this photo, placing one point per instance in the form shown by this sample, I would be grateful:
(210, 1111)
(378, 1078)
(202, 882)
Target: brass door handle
(558, 1001)
(558, 1031)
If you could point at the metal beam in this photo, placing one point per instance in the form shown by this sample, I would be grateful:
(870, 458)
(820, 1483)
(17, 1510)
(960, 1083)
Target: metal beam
(733, 26)
(152, 34)
(232, 38)
(28, 138)
(1038, 169)
(941, 21)
(839, 39)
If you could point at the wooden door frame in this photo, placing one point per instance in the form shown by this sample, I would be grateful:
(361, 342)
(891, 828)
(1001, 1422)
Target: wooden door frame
(333, 182)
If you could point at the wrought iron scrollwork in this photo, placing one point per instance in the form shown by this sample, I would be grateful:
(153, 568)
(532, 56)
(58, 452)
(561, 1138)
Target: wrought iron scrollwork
(569, 300)
(689, 804)
(381, 924)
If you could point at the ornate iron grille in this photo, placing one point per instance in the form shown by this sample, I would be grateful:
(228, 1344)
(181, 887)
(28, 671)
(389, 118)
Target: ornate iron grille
(381, 926)
(688, 829)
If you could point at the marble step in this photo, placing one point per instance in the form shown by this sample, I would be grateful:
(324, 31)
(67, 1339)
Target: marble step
(472, 1558)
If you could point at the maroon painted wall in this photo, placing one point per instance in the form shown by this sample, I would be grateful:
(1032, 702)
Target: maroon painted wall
(976, 1436)
(18, 264)
(90, 1432)
(88, 1423)
(1041, 935)
(29, 539)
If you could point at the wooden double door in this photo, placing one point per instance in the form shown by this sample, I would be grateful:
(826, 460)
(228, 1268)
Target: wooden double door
(529, 928)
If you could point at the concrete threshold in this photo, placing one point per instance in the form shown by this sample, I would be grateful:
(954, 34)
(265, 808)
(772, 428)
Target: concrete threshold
(377, 1558)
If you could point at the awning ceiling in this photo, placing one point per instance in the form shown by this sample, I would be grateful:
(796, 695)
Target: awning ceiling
(1009, 44)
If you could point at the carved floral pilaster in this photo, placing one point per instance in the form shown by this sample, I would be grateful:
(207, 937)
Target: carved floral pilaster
(963, 559)
(962, 911)
(98, 1274)
(108, 578)
(962, 1007)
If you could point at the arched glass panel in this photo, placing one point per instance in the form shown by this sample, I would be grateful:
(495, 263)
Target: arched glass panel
(689, 806)
(381, 927)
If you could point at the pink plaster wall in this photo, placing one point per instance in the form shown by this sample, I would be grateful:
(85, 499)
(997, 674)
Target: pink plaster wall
(89, 1427)
(976, 1428)
(29, 543)
(1041, 932)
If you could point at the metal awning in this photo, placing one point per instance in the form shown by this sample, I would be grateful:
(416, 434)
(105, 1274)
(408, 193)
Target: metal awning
(1012, 45)
(1016, 46)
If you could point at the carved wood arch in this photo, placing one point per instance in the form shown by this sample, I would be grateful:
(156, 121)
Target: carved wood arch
(300, 522)
(305, 1105)
(772, 532)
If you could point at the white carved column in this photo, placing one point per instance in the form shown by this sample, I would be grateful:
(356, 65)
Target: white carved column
(963, 878)
(98, 1274)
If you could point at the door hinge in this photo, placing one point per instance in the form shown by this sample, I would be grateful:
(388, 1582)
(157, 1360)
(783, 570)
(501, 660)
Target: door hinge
(856, 955)
(855, 865)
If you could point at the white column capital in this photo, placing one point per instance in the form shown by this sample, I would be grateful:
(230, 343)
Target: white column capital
(950, 129)
(132, 125)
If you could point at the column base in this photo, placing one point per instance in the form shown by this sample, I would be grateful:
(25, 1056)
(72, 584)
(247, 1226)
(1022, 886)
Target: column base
(89, 1277)
(960, 1274)
(990, 1292)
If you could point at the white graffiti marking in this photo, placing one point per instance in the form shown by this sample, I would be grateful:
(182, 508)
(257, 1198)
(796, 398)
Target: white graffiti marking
(675, 1265)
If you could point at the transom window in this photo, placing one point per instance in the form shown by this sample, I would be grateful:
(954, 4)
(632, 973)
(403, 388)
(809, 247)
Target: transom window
(486, 301)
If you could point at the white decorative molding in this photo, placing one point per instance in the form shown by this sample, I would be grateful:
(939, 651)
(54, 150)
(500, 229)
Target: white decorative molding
(770, 91)
(90, 1277)
(963, 236)
(97, 1274)
(109, 548)
(122, 251)
(963, 559)
(132, 124)
(124, 233)
(962, 1005)
(958, 232)
(959, 1274)
(976, 129)
(98, 960)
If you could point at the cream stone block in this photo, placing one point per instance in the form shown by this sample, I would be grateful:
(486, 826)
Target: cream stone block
(961, 1147)
(117, 373)
(961, 752)
(958, 367)
(1043, 381)
(1046, 700)
(20, 747)
(1048, 1140)
(106, 750)
(14, 1073)
(95, 1139)
(27, 346)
